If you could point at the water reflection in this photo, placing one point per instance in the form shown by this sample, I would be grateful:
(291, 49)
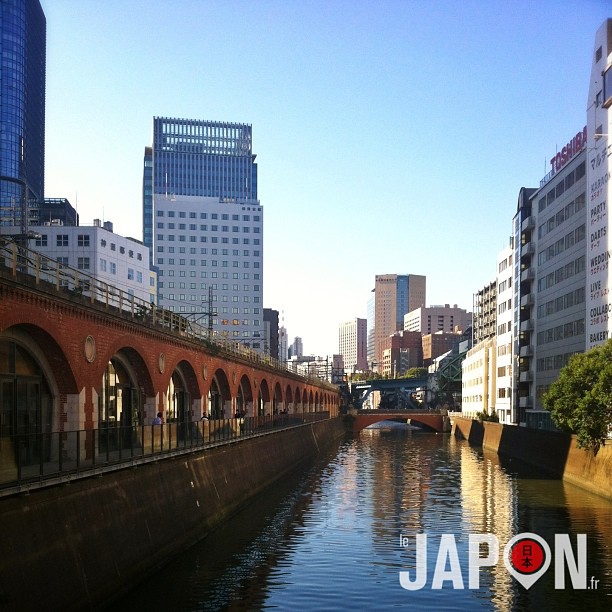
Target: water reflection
(328, 538)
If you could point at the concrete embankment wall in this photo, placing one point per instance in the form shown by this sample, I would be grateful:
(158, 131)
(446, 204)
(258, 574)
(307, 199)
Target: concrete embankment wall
(555, 452)
(75, 546)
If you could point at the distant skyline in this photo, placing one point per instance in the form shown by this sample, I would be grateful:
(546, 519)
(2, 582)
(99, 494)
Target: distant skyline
(391, 137)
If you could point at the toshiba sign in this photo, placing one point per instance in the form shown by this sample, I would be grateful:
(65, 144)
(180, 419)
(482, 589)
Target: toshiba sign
(573, 147)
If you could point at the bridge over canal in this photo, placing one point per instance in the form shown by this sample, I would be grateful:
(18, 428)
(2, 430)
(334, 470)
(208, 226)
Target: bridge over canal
(434, 421)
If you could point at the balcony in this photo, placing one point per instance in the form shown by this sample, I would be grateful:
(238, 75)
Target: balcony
(526, 376)
(528, 224)
(528, 274)
(525, 402)
(527, 325)
(527, 351)
(528, 249)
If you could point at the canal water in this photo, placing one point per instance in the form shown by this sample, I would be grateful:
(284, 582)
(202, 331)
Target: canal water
(337, 534)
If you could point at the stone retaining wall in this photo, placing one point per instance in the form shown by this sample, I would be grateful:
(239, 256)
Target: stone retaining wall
(555, 452)
(75, 546)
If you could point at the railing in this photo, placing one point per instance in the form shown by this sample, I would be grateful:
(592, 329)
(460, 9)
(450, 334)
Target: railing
(77, 284)
(44, 459)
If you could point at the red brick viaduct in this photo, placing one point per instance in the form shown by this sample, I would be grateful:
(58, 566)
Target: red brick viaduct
(72, 340)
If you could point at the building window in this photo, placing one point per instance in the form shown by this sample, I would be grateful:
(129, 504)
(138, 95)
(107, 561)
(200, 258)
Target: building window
(62, 240)
(41, 240)
(83, 263)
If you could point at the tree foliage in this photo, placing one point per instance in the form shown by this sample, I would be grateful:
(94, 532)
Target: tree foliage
(415, 373)
(580, 400)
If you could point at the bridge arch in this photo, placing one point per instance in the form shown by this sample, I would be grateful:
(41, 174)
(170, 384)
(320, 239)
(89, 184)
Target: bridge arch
(182, 398)
(263, 398)
(30, 399)
(363, 419)
(289, 407)
(244, 397)
(219, 396)
(277, 403)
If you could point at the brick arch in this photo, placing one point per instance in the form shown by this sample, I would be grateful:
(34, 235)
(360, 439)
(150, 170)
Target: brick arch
(278, 401)
(245, 388)
(188, 374)
(49, 355)
(289, 405)
(263, 396)
(220, 384)
(137, 364)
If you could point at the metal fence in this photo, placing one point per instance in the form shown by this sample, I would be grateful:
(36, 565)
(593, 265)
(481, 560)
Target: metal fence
(78, 284)
(44, 459)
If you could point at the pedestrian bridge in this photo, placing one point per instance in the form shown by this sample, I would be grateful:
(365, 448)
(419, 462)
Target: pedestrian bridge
(430, 420)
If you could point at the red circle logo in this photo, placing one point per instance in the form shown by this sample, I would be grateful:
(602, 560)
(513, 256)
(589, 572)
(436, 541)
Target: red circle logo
(527, 556)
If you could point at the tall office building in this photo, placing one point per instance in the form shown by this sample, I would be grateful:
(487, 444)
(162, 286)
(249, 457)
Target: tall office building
(23, 32)
(271, 335)
(599, 185)
(394, 296)
(352, 342)
(204, 224)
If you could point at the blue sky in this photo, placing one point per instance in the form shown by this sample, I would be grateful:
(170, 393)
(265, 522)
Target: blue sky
(391, 136)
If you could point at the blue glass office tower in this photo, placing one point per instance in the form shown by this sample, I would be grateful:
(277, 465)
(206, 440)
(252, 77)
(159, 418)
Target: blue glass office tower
(23, 30)
(190, 157)
(203, 224)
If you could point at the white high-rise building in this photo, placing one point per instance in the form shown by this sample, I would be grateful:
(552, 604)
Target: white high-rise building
(505, 314)
(434, 319)
(97, 251)
(599, 190)
(352, 345)
(204, 244)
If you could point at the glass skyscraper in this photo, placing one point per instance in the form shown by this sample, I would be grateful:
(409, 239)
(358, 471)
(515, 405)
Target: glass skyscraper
(23, 30)
(203, 224)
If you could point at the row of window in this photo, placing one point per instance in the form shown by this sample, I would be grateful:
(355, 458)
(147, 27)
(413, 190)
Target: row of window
(507, 284)
(504, 327)
(567, 212)
(562, 332)
(213, 228)
(561, 187)
(192, 262)
(553, 362)
(203, 215)
(562, 303)
(223, 287)
(213, 239)
(561, 245)
(504, 349)
(83, 240)
(503, 306)
(181, 297)
(563, 273)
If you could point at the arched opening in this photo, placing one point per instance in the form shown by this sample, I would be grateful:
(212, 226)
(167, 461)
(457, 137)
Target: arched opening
(177, 407)
(289, 407)
(263, 399)
(219, 397)
(120, 405)
(244, 399)
(26, 405)
(278, 407)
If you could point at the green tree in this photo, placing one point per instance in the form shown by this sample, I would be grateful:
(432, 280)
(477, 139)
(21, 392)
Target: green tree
(580, 400)
(415, 373)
